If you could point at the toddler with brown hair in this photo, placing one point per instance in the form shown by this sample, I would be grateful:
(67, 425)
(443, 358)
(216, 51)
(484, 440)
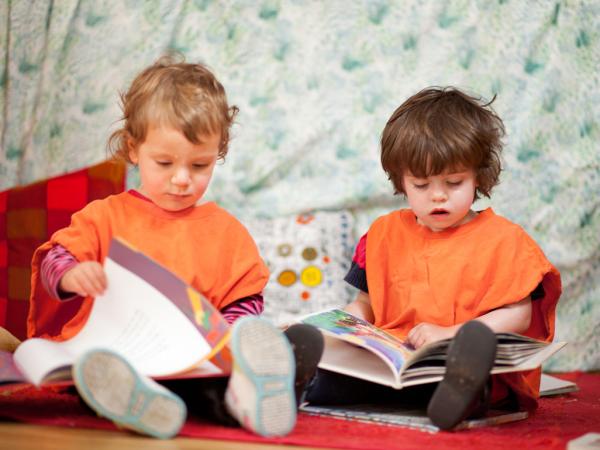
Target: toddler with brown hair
(441, 269)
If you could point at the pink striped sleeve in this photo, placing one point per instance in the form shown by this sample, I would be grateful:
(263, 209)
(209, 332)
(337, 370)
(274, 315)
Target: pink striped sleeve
(54, 265)
(252, 305)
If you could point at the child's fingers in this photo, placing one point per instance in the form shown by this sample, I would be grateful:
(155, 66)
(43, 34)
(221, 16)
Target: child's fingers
(89, 279)
(98, 277)
(95, 280)
(414, 336)
(414, 333)
(84, 286)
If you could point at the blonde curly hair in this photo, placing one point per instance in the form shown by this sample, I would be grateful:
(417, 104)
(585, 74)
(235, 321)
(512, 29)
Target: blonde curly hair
(174, 93)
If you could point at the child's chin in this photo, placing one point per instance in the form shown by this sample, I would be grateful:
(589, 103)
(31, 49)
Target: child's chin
(176, 206)
(438, 224)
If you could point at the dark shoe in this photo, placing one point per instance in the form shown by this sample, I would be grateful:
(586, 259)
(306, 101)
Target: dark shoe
(470, 359)
(482, 403)
(307, 344)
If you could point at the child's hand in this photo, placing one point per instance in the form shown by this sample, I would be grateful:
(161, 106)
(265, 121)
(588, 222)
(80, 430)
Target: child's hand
(85, 279)
(424, 333)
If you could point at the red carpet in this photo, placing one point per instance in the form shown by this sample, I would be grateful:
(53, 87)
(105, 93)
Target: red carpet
(558, 420)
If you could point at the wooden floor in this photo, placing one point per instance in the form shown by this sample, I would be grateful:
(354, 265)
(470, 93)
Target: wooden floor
(17, 436)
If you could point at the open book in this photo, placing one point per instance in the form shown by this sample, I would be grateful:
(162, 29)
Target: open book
(162, 326)
(357, 348)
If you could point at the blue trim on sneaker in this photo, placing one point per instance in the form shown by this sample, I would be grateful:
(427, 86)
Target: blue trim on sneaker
(132, 417)
(261, 382)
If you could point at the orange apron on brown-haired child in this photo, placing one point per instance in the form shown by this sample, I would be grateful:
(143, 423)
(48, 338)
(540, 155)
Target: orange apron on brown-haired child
(449, 277)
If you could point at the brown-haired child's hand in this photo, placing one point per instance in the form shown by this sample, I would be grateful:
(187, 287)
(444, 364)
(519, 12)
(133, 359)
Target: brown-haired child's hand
(85, 279)
(425, 333)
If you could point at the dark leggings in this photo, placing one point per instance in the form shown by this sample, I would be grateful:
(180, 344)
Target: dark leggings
(329, 388)
(204, 398)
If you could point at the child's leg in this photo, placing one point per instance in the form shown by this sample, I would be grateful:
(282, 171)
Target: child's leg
(463, 390)
(115, 390)
(260, 393)
(331, 388)
(307, 343)
(205, 398)
(334, 389)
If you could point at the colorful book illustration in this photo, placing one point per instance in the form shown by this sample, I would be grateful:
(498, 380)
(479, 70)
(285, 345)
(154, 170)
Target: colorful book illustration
(164, 328)
(357, 348)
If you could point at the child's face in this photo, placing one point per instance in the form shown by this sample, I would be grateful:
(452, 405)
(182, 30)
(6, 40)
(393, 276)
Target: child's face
(174, 172)
(441, 201)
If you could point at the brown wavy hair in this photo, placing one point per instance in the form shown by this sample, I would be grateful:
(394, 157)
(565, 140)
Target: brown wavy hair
(171, 92)
(441, 129)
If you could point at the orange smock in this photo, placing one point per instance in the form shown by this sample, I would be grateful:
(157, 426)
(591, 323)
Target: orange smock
(449, 277)
(204, 245)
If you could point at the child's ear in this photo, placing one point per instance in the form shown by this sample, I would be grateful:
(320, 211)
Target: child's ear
(132, 150)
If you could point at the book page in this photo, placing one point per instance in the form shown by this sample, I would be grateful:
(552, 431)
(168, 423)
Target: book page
(342, 325)
(426, 373)
(533, 361)
(355, 361)
(132, 318)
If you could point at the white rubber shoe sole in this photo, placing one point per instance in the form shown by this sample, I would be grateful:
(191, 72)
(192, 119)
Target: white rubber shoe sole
(115, 390)
(260, 393)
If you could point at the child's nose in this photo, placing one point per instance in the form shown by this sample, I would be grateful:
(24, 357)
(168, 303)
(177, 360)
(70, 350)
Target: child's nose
(181, 177)
(439, 195)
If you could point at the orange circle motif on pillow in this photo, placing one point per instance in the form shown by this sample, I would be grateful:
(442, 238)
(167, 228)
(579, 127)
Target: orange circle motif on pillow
(287, 278)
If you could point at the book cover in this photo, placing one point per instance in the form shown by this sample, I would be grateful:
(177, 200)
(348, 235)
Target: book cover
(415, 418)
(550, 386)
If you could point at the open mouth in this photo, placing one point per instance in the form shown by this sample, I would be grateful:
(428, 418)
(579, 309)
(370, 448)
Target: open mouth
(439, 212)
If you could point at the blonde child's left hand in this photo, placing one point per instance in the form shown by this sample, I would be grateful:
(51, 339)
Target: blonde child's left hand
(425, 333)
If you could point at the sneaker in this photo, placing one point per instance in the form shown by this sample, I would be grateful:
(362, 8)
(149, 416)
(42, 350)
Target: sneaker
(115, 390)
(260, 393)
(470, 359)
(307, 343)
